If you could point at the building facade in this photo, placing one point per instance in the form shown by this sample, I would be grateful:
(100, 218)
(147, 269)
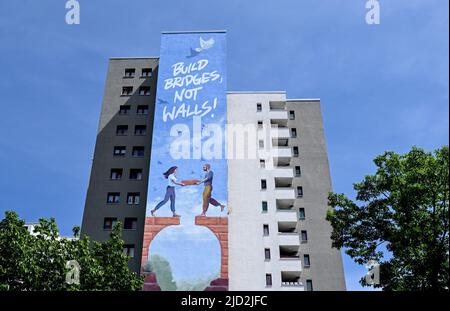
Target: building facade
(278, 238)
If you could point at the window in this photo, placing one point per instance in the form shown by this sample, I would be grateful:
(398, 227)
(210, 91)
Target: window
(267, 253)
(113, 198)
(299, 191)
(306, 261)
(116, 173)
(122, 130)
(268, 279)
(136, 174)
(261, 143)
(120, 150)
(142, 109)
(263, 184)
(124, 109)
(144, 91)
(304, 236)
(264, 206)
(309, 285)
(128, 250)
(138, 151)
(295, 151)
(130, 224)
(108, 223)
(292, 115)
(127, 90)
(301, 213)
(265, 230)
(260, 124)
(146, 72)
(293, 132)
(298, 171)
(258, 107)
(133, 198)
(129, 73)
(140, 130)
(262, 163)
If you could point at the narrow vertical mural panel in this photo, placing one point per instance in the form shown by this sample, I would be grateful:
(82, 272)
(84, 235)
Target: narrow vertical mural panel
(188, 168)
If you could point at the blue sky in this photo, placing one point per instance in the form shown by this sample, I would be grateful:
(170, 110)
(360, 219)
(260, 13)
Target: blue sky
(382, 87)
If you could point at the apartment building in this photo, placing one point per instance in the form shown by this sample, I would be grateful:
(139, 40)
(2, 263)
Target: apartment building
(278, 236)
(119, 175)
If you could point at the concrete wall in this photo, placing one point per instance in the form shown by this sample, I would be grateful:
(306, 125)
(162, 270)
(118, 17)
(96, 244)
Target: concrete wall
(96, 207)
(247, 264)
(326, 270)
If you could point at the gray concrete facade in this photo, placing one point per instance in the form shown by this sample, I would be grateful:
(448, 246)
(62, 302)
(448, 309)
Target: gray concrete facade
(100, 184)
(326, 268)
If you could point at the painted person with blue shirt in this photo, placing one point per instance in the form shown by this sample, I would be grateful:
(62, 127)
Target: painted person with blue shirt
(207, 192)
(171, 177)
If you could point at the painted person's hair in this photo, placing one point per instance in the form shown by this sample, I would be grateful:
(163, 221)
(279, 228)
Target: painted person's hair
(170, 171)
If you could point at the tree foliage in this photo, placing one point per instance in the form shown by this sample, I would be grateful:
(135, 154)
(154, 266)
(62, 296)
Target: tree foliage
(38, 262)
(400, 218)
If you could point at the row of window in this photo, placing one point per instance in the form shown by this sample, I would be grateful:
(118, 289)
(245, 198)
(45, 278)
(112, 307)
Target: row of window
(133, 198)
(128, 91)
(299, 189)
(117, 174)
(129, 223)
(295, 150)
(306, 258)
(297, 169)
(131, 72)
(291, 112)
(136, 151)
(309, 284)
(293, 130)
(303, 233)
(139, 130)
(140, 110)
(301, 210)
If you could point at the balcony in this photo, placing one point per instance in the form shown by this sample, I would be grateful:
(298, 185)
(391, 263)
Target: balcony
(280, 142)
(281, 152)
(286, 215)
(289, 252)
(288, 239)
(279, 132)
(277, 105)
(278, 114)
(282, 162)
(283, 183)
(285, 172)
(287, 227)
(291, 279)
(284, 193)
(285, 205)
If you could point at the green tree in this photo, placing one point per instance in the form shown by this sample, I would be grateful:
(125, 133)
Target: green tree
(400, 219)
(163, 272)
(38, 262)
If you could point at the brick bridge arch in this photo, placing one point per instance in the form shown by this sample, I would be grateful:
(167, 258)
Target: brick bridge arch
(217, 225)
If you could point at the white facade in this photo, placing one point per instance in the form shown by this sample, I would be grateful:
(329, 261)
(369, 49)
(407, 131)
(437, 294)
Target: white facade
(248, 240)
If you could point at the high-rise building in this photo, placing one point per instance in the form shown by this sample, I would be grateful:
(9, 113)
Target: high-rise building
(119, 174)
(277, 234)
